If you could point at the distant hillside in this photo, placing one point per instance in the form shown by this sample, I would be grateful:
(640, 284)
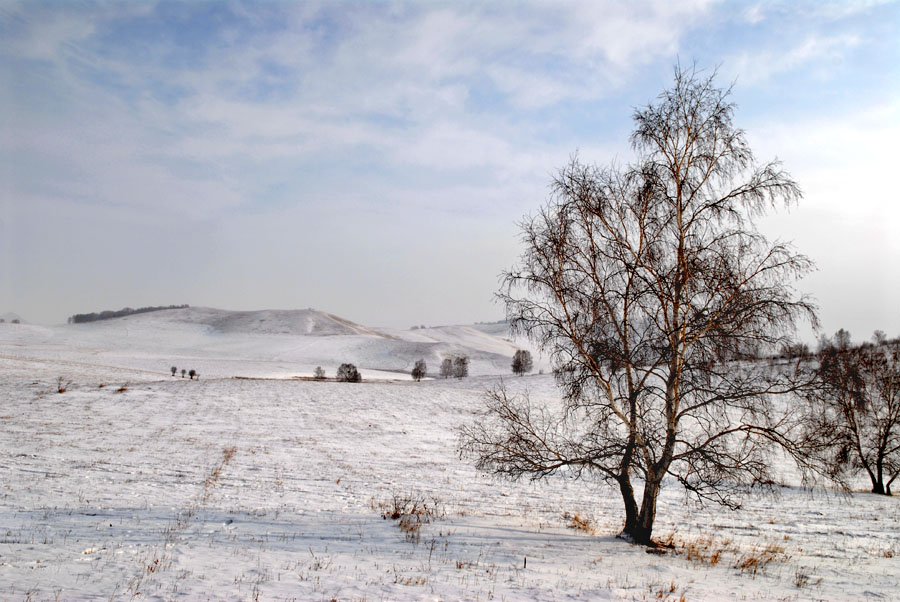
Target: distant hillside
(278, 321)
(301, 322)
(288, 342)
(121, 313)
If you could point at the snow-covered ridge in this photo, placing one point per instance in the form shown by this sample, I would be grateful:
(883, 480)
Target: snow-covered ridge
(267, 321)
(268, 343)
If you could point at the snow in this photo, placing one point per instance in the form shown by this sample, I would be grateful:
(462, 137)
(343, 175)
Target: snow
(272, 488)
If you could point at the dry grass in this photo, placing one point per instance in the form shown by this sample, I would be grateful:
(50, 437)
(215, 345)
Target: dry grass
(411, 511)
(580, 523)
(710, 551)
(758, 558)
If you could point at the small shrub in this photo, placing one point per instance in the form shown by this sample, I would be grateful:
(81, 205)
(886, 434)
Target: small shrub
(62, 385)
(122, 389)
(411, 512)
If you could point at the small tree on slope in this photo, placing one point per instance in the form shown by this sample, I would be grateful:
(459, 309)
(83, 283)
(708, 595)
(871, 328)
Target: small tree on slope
(447, 367)
(461, 366)
(522, 362)
(419, 370)
(348, 373)
(641, 284)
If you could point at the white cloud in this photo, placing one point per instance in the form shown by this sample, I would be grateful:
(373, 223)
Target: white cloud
(756, 66)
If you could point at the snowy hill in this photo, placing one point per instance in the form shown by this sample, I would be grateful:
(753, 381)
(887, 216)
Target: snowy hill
(268, 343)
(268, 321)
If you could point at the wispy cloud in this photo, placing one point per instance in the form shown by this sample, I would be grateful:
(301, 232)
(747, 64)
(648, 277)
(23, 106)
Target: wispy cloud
(822, 52)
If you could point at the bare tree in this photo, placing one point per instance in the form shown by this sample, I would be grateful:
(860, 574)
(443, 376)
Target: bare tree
(183, 372)
(855, 413)
(461, 366)
(447, 367)
(174, 370)
(419, 370)
(192, 373)
(522, 362)
(348, 373)
(842, 340)
(642, 284)
(319, 373)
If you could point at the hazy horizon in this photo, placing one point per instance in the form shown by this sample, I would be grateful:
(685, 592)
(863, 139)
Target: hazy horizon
(372, 160)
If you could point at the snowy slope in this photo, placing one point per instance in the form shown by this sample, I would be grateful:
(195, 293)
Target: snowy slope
(134, 485)
(273, 489)
(268, 343)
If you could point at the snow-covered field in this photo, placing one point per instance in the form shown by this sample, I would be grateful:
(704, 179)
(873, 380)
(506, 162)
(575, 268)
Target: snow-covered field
(275, 489)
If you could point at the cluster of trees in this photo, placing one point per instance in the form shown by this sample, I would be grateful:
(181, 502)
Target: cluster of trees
(646, 285)
(853, 411)
(457, 366)
(125, 311)
(13, 321)
(192, 373)
(347, 373)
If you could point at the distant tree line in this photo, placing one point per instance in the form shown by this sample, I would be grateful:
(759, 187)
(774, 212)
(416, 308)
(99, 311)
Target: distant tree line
(125, 311)
(192, 373)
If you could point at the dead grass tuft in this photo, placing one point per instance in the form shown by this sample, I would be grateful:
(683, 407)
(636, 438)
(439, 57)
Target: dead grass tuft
(759, 558)
(710, 551)
(580, 523)
(411, 511)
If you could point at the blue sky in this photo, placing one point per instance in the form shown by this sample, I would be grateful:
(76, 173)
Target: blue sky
(372, 159)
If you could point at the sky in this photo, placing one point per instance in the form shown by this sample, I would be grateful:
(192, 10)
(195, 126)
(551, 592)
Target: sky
(374, 159)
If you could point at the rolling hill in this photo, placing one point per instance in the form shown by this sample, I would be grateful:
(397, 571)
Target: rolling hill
(267, 343)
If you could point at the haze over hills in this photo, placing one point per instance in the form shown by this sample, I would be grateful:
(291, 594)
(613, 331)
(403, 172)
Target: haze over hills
(268, 343)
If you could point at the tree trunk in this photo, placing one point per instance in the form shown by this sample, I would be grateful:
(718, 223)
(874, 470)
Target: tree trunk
(878, 478)
(631, 509)
(640, 529)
